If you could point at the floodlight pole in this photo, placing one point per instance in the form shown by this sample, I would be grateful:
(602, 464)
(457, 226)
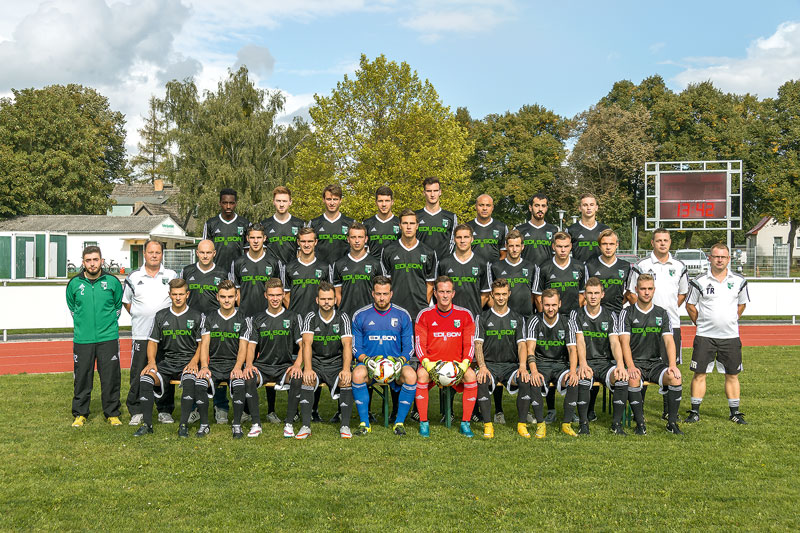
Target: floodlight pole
(561, 214)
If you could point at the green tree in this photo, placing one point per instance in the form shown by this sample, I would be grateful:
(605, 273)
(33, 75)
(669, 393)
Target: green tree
(61, 147)
(153, 160)
(383, 126)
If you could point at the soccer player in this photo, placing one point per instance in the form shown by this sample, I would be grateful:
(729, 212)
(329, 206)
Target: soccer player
(489, 235)
(227, 230)
(383, 227)
(281, 229)
(353, 273)
(564, 274)
(585, 232)
(251, 271)
(500, 352)
(536, 233)
(435, 224)
(221, 346)
(203, 278)
(331, 226)
(145, 293)
(273, 335)
(641, 328)
(327, 351)
(411, 265)
(599, 356)
(94, 298)
(383, 330)
(552, 354)
(175, 337)
(445, 332)
(469, 273)
(715, 303)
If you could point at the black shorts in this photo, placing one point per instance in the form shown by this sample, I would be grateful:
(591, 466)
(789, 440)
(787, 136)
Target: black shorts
(601, 372)
(501, 373)
(171, 366)
(727, 352)
(271, 373)
(326, 372)
(652, 371)
(552, 371)
(676, 336)
(166, 376)
(221, 370)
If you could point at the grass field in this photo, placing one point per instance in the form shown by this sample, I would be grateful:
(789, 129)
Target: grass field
(719, 476)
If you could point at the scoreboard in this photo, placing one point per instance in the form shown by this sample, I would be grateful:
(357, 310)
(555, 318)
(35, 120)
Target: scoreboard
(697, 195)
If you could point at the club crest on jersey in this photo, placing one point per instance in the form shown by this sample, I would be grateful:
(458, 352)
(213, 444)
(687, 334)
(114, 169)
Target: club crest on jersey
(240, 230)
(495, 233)
(574, 275)
(549, 234)
(190, 323)
(164, 281)
(561, 334)
(216, 281)
(457, 323)
(474, 271)
(368, 269)
(621, 273)
(525, 272)
(318, 273)
(396, 229)
(268, 270)
(604, 326)
(294, 230)
(237, 326)
(104, 284)
(286, 324)
(513, 323)
(344, 230)
(658, 321)
(395, 322)
(445, 223)
(671, 271)
(336, 328)
(423, 258)
(730, 285)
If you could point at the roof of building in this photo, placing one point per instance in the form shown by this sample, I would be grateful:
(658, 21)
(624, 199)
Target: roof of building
(761, 223)
(84, 223)
(141, 192)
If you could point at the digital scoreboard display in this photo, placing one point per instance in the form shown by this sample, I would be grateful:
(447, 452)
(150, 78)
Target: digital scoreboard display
(693, 195)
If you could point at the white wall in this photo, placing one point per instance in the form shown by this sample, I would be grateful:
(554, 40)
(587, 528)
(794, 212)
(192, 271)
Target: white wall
(766, 238)
(111, 245)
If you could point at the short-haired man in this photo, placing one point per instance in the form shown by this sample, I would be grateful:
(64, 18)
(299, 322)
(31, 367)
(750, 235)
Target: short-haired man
(327, 351)
(203, 278)
(522, 275)
(383, 330)
(273, 336)
(599, 356)
(445, 332)
(146, 291)
(536, 233)
(353, 273)
(383, 227)
(411, 265)
(251, 271)
(552, 358)
(585, 232)
(469, 273)
(221, 345)
(227, 230)
(435, 228)
(94, 298)
(489, 235)
(175, 339)
(641, 328)
(563, 273)
(716, 302)
(281, 229)
(331, 226)
(501, 355)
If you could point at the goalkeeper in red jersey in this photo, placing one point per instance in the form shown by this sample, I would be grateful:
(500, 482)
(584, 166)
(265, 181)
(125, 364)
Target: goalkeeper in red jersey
(445, 333)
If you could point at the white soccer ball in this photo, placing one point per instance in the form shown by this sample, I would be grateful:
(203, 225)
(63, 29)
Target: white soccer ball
(384, 371)
(447, 374)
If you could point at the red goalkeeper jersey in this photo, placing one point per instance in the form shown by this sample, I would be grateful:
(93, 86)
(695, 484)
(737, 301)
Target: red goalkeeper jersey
(444, 336)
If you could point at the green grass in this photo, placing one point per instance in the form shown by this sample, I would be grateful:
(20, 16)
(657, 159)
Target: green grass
(720, 476)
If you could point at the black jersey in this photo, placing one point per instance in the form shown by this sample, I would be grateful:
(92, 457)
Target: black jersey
(595, 330)
(568, 281)
(470, 279)
(584, 240)
(501, 335)
(230, 238)
(326, 349)
(645, 331)
(302, 280)
(203, 286)
(250, 277)
(280, 238)
(409, 269)
(523, 281)
(355, 279)
(177, 335)
(276, 337)
(381, 233)
(614, 278)
(488, 240)
(332, 237)
(436, 230)
(223, 348)
(538, 241)
(552, 341)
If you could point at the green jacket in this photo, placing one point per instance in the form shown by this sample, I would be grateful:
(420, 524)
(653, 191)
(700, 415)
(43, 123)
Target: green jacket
(95, 306)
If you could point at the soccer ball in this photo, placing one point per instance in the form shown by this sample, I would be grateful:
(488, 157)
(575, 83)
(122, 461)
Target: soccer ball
(447, 374)
(384, 371)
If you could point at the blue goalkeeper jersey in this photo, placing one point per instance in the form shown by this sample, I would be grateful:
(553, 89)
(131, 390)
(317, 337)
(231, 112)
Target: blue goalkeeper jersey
(387, 333)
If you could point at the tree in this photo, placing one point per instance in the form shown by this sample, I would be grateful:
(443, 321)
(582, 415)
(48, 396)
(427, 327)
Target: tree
(153, 160)
(383, 126)
(61, 148)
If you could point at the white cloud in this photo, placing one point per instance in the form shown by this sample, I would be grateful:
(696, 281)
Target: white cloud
(657, 47)
(769, 63)
(433, 19)
(257, 59)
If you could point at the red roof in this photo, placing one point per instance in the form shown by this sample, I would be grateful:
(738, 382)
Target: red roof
(761, 224)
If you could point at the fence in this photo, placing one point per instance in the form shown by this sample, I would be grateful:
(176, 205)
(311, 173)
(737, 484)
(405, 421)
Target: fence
(177, 259)
(749, 263)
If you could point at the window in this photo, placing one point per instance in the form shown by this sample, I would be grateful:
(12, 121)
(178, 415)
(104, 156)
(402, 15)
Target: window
(777, 240)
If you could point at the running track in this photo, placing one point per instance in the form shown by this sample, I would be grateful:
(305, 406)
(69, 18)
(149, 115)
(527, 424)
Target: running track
(56, 356)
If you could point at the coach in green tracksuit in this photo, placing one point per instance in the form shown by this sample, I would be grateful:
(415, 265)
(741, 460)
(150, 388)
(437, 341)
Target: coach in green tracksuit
(94, 298)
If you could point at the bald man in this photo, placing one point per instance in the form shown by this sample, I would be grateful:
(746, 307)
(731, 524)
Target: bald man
(203, 278)
(488, 234)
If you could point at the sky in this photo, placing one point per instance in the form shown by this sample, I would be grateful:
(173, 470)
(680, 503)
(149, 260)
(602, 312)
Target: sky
(489, 56)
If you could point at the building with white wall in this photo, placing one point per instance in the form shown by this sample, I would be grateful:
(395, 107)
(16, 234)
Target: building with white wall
(767, 233)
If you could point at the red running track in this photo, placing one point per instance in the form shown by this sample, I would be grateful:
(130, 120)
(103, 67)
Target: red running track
(56, 356)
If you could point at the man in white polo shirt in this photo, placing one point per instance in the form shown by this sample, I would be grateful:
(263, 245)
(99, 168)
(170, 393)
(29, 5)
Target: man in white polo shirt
(672, 286)
(146, 292)
(716, 301)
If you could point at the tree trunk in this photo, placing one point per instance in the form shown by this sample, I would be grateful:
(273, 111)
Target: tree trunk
(792, 233)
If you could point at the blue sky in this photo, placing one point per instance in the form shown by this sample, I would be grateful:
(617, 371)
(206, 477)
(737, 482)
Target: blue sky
(488, 55)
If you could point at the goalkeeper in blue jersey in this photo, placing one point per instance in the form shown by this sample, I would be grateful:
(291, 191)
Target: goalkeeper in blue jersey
(383, 331)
